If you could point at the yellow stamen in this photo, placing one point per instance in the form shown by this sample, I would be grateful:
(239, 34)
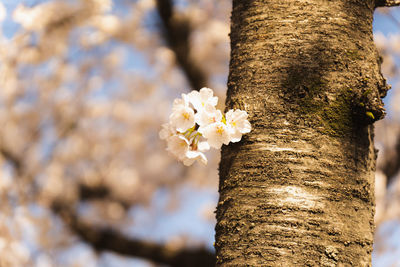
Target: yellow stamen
(220, 130)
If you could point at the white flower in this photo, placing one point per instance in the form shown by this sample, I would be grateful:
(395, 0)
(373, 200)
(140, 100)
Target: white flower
(178, 146)
(180, 102)
(217, 134)
(182, 117)
(207, 116)
(192, 155)
(203, 146)
(185, 151)
(201, 98)
(237, 124)
(167, 131)
(194, 116)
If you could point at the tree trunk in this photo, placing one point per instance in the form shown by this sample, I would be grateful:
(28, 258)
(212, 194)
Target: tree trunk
(299, 189)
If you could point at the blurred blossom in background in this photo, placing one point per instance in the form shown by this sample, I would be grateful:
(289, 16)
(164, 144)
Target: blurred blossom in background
(84, 88)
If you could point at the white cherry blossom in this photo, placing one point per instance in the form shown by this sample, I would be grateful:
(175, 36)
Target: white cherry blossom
(194, 117)
(201, 98)
(178, 146)
(181, 102)
(207, 116)
(182, 118)
(203, 146)
(192, 156)
(237, 123)
(167, 131)
(196, 154)
(217, 134)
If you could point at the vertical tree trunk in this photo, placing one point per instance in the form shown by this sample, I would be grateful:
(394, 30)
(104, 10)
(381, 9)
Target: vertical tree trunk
(299, 189)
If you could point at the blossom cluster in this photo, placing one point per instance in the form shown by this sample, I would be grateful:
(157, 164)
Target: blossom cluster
(196, 124)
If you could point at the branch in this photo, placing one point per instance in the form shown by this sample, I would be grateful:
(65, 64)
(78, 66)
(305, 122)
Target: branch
(14, 160)
(109, 239)
(177, 33)
(387, 3)
(11, 158)
(391, 165)
(100, 192)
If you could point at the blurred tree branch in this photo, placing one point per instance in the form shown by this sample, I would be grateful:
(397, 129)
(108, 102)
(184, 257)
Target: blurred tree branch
(11, 158)
(177, 33)
(100, 192)
(391, 165)
(104, 238)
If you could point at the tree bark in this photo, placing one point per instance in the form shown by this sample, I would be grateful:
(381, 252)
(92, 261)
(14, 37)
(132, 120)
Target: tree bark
(299, 189)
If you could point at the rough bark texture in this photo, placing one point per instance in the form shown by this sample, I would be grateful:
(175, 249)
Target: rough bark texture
(298, 190)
